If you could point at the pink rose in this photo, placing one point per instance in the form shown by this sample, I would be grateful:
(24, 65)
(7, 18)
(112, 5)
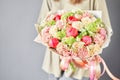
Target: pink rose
(53, 42)
(57, 17)
(87, 40)
(72, 18)
(72, 32)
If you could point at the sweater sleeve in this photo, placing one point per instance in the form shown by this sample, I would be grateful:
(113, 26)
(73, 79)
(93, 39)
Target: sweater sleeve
(45, 8)
(101, 5)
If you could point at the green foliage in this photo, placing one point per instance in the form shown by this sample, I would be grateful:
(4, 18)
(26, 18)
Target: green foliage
(69, 40)
(61, 34)
(50, 23)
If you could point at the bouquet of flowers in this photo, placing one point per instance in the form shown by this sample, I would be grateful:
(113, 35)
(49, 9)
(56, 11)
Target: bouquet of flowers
(77, 36)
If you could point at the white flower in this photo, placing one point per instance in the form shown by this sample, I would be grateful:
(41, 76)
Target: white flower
(53, 30)
(86, 20)
(78, 16)
(60, 24)
(50, 17)
(77, 25)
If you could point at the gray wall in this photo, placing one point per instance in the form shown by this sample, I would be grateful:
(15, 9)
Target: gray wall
(21, 58)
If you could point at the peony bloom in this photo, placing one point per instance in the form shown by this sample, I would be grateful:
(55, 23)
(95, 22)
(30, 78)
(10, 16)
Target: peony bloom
(71, 32)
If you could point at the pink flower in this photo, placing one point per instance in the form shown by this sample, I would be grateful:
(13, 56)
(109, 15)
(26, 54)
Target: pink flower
(45, 34)
(45, 31)
(46, 37)
(53, 42)
(63, 50)
(57, 17)
(103, 32)
(60, 24)
(99, 39)
(71, 19)
(83, 53)
(86, 14)
(72, 32)
(87, 40)
(50, 17)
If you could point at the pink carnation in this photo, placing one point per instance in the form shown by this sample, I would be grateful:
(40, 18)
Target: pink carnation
(103, 32)
(99, 39)
(45, 34)
(83, 53)
(46, 37)
(45, 31)
(62, 49)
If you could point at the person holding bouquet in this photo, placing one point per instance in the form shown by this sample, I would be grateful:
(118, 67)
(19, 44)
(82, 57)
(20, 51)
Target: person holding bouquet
(51, 62)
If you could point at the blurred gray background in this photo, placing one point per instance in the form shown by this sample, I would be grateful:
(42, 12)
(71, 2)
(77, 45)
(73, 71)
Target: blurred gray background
(21, 58)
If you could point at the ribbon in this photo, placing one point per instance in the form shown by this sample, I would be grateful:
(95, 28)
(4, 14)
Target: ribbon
(90, 64)
(65, 61)
(92, 70)
(108, 71)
